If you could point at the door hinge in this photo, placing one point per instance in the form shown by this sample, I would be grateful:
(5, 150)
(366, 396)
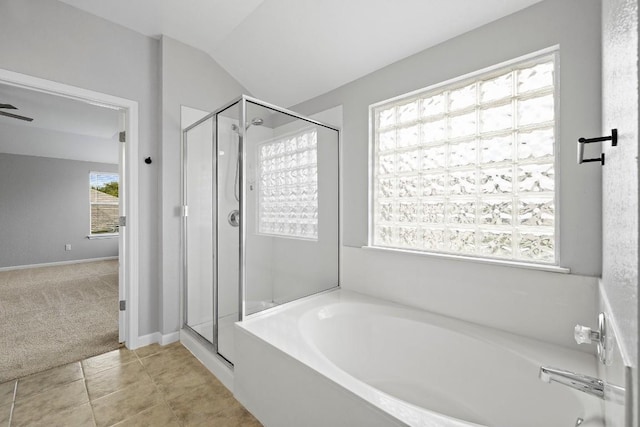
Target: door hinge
(185, 211)
(122, 221)
(122, 136)
(123, 305)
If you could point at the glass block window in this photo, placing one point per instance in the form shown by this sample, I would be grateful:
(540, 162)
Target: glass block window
(104, 202)
(468, 168)
(288, 186)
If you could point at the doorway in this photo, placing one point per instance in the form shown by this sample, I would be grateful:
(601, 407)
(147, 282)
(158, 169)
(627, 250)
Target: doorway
(123, 232)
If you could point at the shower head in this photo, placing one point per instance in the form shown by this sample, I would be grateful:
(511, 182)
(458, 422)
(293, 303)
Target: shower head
(256, 121)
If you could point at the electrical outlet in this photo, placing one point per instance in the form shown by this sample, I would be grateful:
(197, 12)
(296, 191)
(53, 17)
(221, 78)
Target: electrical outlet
(67, 247)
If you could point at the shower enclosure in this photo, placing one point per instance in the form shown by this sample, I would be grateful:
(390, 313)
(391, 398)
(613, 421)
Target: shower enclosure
(260, 215)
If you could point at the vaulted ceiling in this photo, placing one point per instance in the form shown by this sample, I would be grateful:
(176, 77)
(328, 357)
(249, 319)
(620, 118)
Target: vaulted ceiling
(288, 51)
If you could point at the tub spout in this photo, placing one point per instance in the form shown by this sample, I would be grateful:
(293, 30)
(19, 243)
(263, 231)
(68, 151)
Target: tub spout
(583, 383)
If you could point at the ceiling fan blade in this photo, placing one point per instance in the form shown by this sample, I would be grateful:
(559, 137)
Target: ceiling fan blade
(8, 106)
(15, 116)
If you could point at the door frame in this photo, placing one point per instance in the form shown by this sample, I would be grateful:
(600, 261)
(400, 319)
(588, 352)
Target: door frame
(128, 270)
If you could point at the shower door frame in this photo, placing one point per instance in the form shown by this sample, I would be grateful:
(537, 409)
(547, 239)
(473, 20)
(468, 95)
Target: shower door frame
(185, 216)
(242, 103)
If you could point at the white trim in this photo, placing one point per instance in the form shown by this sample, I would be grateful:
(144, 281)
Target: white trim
(53, 264)
(132, 238)
(157, 337)
(130, 260)
(103, 236)
(170, 338)
(209, 359)
(494, 261)
(149, 339)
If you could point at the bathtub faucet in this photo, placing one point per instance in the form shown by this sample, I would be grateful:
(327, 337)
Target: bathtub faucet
(584, 383)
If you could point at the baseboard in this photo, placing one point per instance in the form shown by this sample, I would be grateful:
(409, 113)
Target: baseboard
(52, 264)
(158, 338)
(145, 340)
(169, 338)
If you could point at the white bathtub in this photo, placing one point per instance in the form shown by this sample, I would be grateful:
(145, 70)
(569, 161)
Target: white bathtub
(343, 358)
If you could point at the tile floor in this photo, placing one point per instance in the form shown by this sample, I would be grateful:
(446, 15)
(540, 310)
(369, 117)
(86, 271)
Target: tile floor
(151, 386)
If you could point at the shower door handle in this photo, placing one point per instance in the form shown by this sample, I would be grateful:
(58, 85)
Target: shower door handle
(234, 218)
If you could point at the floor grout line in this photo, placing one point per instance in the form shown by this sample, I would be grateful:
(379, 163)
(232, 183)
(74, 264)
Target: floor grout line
(115, 391)
(166, 402)
(84, 377)
(13, 402)
(162, 394)
(139, 360)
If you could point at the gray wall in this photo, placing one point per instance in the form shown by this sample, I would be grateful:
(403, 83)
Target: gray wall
(190, 78)
(572, 24)
(51, 40)
(44, 204)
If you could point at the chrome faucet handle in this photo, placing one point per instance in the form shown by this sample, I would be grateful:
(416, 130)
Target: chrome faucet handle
(586, 335)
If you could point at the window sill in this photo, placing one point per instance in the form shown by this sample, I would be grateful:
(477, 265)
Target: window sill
(288, 236)
(103, 236)
(501, 262)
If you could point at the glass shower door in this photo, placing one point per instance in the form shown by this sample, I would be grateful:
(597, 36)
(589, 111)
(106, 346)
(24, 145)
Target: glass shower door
(198, 244)
(211, 228)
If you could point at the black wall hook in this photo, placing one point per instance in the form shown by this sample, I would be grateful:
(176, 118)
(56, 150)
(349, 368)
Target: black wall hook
(148, 160)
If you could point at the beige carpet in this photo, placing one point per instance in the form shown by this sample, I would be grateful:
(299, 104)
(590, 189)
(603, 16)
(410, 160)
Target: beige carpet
(51, 316)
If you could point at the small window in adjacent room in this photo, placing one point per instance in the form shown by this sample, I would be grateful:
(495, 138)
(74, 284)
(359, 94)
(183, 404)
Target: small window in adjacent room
(103, 197)
(288, 185)
(468, 168)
